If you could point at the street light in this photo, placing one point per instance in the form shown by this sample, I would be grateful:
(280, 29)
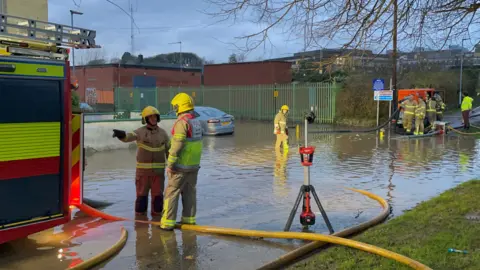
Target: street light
(461, 75)
(73, 12)
(181, 64)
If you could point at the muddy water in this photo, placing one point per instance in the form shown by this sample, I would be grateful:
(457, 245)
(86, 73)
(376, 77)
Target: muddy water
(244, 184)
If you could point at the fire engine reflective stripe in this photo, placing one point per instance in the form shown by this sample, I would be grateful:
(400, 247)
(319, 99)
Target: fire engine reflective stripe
(151, 149)
(76, 185)
(31, 221)
(188, 220)
(150, 165)
(29, 140)
(35, 69)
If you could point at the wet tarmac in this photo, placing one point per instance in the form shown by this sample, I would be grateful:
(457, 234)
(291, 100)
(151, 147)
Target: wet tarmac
(243, 183)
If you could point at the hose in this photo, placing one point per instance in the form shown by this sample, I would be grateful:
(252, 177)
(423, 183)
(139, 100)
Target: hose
(293, 255)
(103, 255)
(358, 131)
(285, 235)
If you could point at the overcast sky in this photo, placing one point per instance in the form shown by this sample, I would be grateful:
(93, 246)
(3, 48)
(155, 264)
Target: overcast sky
(162, 22)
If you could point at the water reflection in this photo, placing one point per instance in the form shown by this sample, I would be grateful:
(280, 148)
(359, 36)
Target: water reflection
(280, 188)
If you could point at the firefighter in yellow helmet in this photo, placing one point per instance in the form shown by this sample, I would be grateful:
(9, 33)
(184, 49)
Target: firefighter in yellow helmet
(153, 144)
(281, 128)
(183, 164)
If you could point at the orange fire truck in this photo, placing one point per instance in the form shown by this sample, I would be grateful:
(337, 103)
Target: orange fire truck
(41, 140)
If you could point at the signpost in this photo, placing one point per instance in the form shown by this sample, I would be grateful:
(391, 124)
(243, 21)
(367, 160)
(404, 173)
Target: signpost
(380, 94)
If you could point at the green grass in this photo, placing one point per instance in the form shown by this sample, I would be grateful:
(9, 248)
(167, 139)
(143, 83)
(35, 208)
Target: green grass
(424, 234)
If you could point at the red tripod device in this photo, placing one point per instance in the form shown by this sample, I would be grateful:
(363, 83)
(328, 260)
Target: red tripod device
(307, 217)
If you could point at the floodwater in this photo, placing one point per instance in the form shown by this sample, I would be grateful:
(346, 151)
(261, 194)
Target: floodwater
(244, 184)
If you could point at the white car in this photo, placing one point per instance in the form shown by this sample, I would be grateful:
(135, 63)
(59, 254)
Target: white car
(214, 121)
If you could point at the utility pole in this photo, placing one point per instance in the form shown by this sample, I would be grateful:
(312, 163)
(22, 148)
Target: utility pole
(394, 55)
(181, 59)
(132, 36)
(73, 12)
(461, 75)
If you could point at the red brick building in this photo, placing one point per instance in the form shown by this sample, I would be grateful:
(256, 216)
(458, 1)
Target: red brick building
(104, 78)
(247, 73)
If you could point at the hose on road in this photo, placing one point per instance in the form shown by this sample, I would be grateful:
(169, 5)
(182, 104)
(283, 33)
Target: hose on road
(334, 239)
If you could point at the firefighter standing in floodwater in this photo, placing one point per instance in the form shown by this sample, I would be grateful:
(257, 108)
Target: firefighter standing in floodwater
(183, 164)
(281, 128)
(431, 110)
(440, 107)
(467, 104)
(420, 116)
(152, 143)
(409, 106)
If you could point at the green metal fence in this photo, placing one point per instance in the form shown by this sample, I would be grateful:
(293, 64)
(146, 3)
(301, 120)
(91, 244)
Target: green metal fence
(255, 102)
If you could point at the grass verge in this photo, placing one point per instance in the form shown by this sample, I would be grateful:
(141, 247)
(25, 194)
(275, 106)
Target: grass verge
(424, 233)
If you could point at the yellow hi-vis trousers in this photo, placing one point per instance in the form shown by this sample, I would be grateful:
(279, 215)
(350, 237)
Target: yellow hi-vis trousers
(419, 125)
(407, 121)
(282, 139)
(185, 184)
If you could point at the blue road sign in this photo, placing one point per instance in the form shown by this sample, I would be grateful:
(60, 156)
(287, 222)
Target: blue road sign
(378, 84)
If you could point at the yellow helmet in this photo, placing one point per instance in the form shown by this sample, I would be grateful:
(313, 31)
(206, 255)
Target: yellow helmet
(148, 111)
(285, 107)
(182, 103)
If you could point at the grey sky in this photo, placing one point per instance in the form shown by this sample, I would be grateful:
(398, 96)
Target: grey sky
(162, 22)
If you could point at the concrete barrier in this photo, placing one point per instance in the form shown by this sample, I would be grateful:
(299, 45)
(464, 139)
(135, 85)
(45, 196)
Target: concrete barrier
(98, 134)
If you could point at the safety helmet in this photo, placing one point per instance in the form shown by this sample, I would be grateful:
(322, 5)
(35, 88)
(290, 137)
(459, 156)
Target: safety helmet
(285, 107)
(182, 103)
(148, 111)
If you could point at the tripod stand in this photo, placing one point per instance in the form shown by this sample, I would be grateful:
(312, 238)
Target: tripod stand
(307, 217)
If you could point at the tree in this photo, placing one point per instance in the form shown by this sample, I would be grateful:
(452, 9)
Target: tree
(232, 58)
(434, 22)
(91, 57)
(241, 57)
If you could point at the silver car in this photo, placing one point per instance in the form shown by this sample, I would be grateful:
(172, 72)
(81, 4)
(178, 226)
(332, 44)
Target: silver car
(214, 121)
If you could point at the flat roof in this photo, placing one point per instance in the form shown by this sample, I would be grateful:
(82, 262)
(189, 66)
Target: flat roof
(158, 67)
(249, 62)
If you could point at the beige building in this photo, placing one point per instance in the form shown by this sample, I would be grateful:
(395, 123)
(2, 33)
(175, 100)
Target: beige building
(32, 9)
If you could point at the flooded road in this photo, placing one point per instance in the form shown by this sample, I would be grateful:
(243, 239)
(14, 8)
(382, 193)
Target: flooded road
(244, 184)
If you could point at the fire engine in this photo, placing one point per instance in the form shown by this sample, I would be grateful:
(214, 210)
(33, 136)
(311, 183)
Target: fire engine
(41, 140)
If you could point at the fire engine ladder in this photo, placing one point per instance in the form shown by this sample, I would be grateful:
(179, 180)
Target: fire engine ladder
(27, 37)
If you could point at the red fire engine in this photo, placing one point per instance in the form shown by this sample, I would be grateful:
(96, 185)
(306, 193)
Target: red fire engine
(41, 148)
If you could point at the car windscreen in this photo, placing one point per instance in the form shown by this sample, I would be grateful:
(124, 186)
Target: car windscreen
(212, 112)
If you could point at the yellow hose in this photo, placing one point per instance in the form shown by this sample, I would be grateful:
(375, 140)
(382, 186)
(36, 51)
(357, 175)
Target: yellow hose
(308, 236)
(308, 248)
(104, 255)
(283, 235)
(463, 133)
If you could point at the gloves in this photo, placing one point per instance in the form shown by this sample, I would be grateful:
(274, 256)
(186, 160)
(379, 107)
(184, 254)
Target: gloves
(119, 134)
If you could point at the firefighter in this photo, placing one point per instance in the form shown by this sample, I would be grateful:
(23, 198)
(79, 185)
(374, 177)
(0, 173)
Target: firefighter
(420, 116)
(281, 128)
(152, 142)
(440, 107)
(466, 109)
(183, 163)
(409, 106)
(431, 110)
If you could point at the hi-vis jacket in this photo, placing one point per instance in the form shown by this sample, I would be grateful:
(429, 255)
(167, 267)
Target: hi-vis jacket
(280, 123)
(467, 103)
(153, 144)
(409, 106)
(421, 109)
(431, 106)
(186, 144)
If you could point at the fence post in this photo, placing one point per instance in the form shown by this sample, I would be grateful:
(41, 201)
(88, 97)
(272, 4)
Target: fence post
(229, 100)
(294, 101)
(334, 101)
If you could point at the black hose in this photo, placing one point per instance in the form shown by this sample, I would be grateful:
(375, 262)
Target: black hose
(358, 131)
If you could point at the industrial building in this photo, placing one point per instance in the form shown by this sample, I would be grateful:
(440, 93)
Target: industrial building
(103, 79)
(247, 73)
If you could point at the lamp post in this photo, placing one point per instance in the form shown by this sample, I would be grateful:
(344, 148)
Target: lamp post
(73, 12)
(181, 64)
(461, 75)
